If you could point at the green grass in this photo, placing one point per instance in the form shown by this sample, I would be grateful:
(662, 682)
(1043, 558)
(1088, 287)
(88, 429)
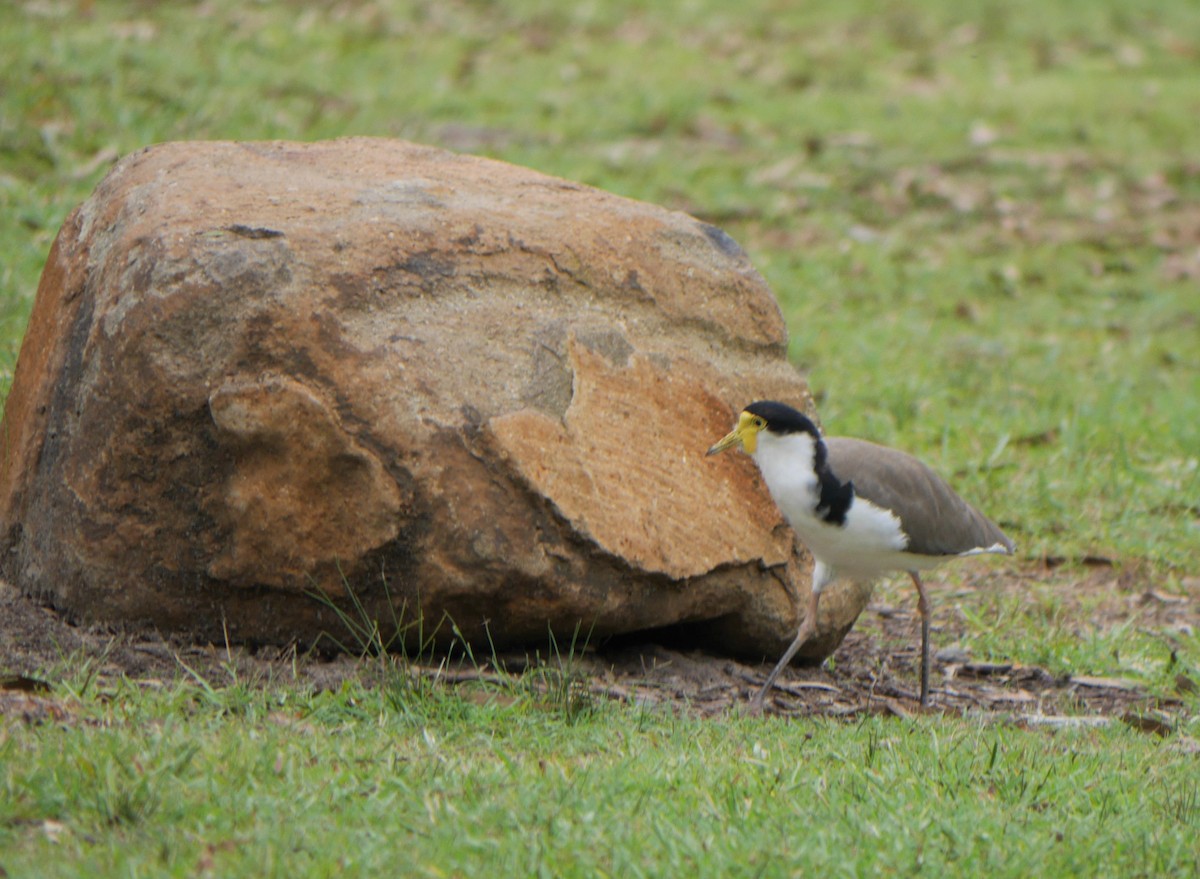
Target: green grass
(977, 217)
(1056, 621)
(183, 781)
(980, 220)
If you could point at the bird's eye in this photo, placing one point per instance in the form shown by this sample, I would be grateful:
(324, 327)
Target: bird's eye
(759, 424)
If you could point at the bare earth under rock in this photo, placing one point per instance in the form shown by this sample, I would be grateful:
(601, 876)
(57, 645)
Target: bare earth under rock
(873, 672)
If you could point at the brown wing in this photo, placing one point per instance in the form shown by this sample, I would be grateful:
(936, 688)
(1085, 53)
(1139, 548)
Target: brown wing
(936, 520)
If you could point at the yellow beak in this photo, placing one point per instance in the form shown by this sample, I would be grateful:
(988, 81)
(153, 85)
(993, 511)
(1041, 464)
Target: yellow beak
(745, 435)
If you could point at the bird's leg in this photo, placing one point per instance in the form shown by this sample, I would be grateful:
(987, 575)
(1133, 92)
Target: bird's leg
(923, 607)
(807, 629)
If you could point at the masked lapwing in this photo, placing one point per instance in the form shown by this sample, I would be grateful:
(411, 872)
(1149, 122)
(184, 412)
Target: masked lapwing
(863, 510)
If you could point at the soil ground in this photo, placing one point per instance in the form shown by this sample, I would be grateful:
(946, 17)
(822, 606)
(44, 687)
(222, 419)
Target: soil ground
(874, 671)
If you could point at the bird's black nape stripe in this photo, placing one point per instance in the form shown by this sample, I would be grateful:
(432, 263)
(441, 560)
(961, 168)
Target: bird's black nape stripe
(836, 495)
(782, 419)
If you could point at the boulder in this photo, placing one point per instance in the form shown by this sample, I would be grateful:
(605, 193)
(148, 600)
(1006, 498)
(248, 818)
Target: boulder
(274, 391)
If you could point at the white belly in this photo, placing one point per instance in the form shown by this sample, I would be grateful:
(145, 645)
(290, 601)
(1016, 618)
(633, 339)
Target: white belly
(868, 545)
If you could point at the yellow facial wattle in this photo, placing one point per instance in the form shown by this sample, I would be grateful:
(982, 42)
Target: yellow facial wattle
(745, 435)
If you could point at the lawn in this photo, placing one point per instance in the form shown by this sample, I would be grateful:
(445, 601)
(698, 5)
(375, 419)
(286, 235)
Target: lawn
(185, 781)
(982, 222)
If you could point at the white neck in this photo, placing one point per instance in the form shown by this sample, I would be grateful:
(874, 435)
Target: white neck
(786, 463)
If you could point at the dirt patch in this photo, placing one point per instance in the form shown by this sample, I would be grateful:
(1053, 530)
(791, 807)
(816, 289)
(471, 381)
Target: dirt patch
(874, 671)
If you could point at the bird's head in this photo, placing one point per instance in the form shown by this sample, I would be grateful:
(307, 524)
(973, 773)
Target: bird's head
(765, 418)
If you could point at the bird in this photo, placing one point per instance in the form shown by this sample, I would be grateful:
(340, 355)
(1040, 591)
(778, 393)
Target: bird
(863, 510)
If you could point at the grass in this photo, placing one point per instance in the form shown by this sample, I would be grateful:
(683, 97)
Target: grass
(979, 218)
(980, 221)
(270, 781)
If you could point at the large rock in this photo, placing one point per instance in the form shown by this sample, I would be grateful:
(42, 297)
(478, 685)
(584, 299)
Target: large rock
(427, 388)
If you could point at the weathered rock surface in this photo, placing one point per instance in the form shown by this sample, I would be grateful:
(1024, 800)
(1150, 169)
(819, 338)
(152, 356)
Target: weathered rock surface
(429, 387)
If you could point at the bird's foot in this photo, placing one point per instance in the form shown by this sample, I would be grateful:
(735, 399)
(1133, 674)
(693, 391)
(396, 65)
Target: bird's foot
(758, 704)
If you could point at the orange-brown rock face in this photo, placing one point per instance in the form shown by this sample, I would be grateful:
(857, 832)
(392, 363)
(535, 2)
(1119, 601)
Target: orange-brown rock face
(439, 387)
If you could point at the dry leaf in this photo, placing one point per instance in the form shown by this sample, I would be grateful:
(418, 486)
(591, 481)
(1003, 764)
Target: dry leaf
(1149, 722)
(24, 684)
(1108, 683)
